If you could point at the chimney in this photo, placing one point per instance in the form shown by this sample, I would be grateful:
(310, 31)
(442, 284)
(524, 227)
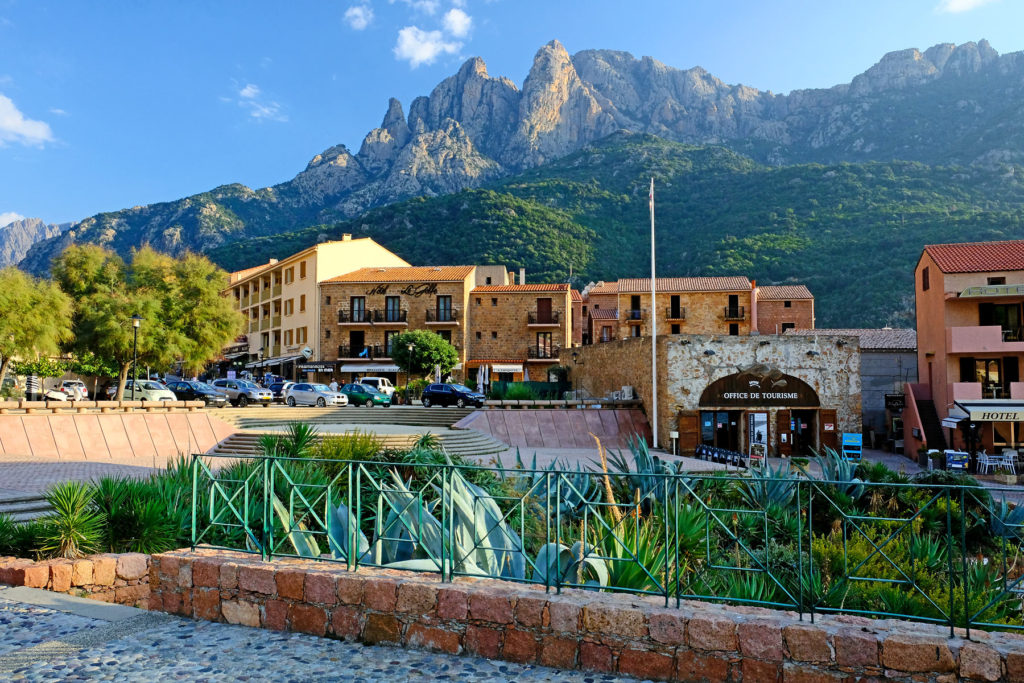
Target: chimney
(522, 276)
(753, 308)
(273, 261)
(347, 237)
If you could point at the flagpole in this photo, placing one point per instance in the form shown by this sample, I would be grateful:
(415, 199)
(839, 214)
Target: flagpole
(654, 335)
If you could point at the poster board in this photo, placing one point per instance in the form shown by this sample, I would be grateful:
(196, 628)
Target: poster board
(852, 446)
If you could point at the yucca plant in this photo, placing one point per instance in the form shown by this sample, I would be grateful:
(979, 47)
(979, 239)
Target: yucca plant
(635, 550)
(8, 532)
(74, 528)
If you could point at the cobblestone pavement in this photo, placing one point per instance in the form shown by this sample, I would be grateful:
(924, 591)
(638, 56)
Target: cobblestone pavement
(41, 644)
(35, 476)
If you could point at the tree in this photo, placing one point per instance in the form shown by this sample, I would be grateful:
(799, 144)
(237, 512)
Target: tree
(35, 317)
(429, 350)
(184, 316)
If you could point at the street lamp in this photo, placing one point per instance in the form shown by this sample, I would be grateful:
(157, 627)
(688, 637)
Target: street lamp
(575, 362)
(408, 373)
(136, 320)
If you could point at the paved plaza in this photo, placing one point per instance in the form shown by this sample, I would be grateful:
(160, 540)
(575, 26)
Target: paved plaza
(51, 637)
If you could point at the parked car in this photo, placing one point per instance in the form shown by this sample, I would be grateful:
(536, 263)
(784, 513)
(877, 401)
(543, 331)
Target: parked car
(280, 390)
(365, 395)
(304, 393)
(381, 384)
(145, 390)
(241, 392)
(198, 391)
(451, 395)
(75, 389)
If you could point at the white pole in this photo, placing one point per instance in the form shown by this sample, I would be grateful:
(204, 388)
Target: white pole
(654, 336)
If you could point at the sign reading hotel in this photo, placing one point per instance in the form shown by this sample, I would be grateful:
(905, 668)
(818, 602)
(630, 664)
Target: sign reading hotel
(759, 386)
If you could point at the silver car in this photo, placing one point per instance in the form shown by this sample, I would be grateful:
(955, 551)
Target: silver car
(241, 392)
(314, 395)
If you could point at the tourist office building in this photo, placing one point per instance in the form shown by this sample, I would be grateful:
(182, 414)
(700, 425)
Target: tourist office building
(970, 349)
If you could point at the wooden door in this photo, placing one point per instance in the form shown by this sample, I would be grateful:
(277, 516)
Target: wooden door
(828, 437)
(782, 431)
(688, 426)
(543, 310)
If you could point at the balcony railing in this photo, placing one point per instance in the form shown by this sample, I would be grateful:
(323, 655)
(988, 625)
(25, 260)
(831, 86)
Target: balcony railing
(675, 314)
(735, 312)
(254, 325)
(360, 315)
(442, 315)
(601, 340)
(634, 314)
(265, 324)
(275, 321)
(542, 352)
(276, 291)
(391, 316)
(543, 318)
(265, 294)
(372, 351)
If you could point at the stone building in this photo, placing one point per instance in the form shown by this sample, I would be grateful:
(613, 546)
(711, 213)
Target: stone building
(362, 311)
(783, 395)
(888, 361)
(783, 307)
(280, 299)
(518, 330)
(685, 305)
(578, 321)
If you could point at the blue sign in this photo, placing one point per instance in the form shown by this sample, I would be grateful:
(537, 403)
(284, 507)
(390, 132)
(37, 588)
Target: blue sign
(852, 446)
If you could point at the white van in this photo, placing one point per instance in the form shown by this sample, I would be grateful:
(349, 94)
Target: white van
(381, 384)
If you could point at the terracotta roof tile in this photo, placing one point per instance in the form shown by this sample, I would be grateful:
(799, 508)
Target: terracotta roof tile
(783, 292)
(604, 288)
(886, 338)
(576, 296)
(686, 284)
(604, 313)
(406, 274)
(977, 257)
(557, 287)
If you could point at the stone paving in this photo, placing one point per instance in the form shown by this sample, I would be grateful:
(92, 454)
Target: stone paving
(43, 644)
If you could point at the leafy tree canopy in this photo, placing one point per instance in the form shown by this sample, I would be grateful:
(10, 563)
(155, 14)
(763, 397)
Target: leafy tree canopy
(35, 317)
(429, 350)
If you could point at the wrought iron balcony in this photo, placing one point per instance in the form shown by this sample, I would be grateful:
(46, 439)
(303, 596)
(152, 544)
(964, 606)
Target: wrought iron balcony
(634, 314)
(444, 315)
(391, 316)
(735, 312)
(675, 313)
(357, 316)
(365, 352)
(543, 318)
(542, 352)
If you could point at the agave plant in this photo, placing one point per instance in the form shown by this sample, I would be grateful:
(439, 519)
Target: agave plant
(74, 528)
(1007, 521)
(770, 485)
(840, 473)
(557, 564)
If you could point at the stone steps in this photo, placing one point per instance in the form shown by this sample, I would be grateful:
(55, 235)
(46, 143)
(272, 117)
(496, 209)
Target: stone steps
(456, 442)
(24, 508)
(256, 417)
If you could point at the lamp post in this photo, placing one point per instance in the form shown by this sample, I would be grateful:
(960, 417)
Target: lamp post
(259, 355)
(408, 373)
(136, 320)
(575, 362)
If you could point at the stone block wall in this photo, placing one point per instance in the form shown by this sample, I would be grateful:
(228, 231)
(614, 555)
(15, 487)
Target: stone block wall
(121, 578)
(574, 630)
(772, 313)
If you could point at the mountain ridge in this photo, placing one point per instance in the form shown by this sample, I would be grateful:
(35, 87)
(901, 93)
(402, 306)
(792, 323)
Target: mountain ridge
(473, 129)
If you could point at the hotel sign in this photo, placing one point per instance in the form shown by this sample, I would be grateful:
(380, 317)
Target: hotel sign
(753, 388)
(997, 415)
(992, 290)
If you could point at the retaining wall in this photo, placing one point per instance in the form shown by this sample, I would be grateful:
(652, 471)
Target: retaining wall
(121, 578)
(573, 630)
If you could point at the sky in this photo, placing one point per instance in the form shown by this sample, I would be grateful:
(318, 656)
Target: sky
(122, 103)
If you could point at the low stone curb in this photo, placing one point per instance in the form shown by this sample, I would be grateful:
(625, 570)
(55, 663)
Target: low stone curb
(117, 578)
(606, 632)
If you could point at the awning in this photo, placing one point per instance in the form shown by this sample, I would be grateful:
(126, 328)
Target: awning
(992, 410)
(951, 422)
(368, 367)
(498, 367)
(279, 360)
(232, 356)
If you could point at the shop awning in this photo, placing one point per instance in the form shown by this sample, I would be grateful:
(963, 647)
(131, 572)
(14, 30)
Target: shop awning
(991, 410)
(233, 356)
(368, 367)
(498, 367)
(269, 362)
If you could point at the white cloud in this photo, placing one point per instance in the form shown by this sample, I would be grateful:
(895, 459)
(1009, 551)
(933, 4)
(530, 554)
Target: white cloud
(57, 111)
(9, 217)
(250, 98)
(359, 16)
(425, 6)
(422, 47)
(957, 6)
(457, 23)
(14, 127)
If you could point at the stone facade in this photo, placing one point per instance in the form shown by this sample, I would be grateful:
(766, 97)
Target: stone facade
(507, 325)
(121, 578)
(684, 312)
(602, 632)
(688, 364)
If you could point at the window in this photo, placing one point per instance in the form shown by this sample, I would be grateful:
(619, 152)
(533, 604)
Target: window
(1005, 316)
(444, 308)
(289, 275)
(389, 338)
(302, 303)
(478, 336)
(327, 334)
(341, 351)
(584, 310)
(674, 308)
(787, 304)
(302, 270)
(494, 335)
(446, 335)
(788, 326)
(545, 348)
(634, 331)
(393, 309)
(997, 280)
(734, 329)
(289, 306)
(606, 333)
(300, 335)
(925, 280)
(494, 301)
(358, 308)
(327, 301)
(488, 280)
(478, 301)
(675, 329)
(288, 337)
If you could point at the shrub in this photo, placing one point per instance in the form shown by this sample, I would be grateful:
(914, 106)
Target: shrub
(138, 518)
(520, 392)
(74, 528)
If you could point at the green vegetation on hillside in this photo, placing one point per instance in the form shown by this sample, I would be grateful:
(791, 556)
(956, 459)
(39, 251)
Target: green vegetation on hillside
(851, 232)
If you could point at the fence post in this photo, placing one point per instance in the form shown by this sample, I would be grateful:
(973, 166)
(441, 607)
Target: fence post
(800, 552)
(665, 506)
(268, 521)
(446, 495)
(195, 492)
(810, 546)
(949, 559)
(354, 518)
(547, 528)
(558, 534)
(963, 561)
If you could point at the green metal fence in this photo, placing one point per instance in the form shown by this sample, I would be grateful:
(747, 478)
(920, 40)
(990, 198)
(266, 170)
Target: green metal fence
(942, 553)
